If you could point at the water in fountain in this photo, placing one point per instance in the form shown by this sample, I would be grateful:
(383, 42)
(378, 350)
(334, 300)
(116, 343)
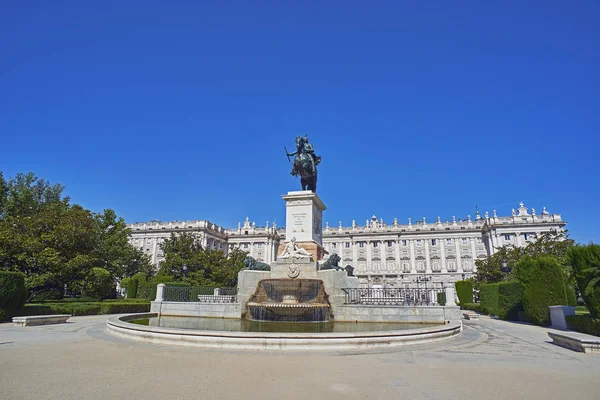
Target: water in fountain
(289, 300)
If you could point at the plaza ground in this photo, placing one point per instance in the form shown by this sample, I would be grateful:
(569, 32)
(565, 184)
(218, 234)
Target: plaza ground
(490, 360)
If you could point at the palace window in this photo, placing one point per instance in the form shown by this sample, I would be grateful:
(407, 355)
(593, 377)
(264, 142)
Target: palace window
(434, 242)
(405, 266)
(347, 245)
(245, 245)
(451, 265)
(526, 236)
(507, 237)
(361, 244)
(404, 243)
(375, 244)
(420, 266)
(419, 243)
(435, 265)
(390, 243)
(259, 245)
(333, 245)
(464, 241)
(448, 242)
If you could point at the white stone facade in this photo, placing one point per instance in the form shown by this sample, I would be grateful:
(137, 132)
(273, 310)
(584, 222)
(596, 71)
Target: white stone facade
(417, 254)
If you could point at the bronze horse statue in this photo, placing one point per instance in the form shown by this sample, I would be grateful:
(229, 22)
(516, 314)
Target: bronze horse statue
(305, 163)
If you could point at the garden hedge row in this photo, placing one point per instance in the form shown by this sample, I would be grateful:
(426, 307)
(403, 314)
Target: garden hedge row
(488, 296)
(12, 294)
(441, 298)
(464, 290)
(584, 324)
(510, 300)
(97, 308)
(543, 285)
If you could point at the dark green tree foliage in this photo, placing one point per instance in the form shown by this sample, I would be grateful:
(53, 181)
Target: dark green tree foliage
(552, 243)
(12, 294)
(585, 264)
(510, 300)
(571, 295)
(98, 284)
(543, 283)
(464, 290)
(205, 267)
(488, 296)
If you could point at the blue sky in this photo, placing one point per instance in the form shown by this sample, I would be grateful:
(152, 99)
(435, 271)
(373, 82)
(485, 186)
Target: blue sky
(180, 110)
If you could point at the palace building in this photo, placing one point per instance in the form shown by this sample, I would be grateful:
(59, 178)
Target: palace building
(416, 254)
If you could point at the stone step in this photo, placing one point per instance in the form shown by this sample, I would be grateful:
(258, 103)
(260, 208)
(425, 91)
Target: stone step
(32, 320)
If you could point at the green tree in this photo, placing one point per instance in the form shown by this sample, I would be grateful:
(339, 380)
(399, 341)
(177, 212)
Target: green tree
(98, 284)
(179, 250)
(585, 262)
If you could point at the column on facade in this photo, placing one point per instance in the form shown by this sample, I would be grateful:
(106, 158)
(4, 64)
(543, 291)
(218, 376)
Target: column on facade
(397, 265)
(369, 255)
(154, 255)
(443, 255)
(252, 249)
(382, 256)
(413, 265)
(267, 250)
(473, 253)
(355, 255)
(427, 260)
(458, 256)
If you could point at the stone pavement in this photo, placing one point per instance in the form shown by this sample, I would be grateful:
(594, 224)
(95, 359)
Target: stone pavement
(489, 360)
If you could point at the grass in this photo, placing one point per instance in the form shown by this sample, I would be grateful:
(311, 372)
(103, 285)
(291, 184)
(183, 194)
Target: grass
(581, 310)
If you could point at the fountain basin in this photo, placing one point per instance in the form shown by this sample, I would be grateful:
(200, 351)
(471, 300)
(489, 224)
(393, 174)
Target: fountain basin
(288, 341)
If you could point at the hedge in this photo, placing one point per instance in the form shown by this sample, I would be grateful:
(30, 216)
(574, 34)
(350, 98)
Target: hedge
(98, 308)
(584, 324)
(441, 298)
(571, 296)
(464, 290)
(585, 261)
(488, 296)
(510, 300)
(471, 306)
(12, 294)
(543, 286)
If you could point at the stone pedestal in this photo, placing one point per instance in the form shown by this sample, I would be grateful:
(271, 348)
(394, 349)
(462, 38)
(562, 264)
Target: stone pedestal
(304, 221)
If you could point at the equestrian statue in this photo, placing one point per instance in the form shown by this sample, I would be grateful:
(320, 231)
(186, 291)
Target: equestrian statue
(305, 163)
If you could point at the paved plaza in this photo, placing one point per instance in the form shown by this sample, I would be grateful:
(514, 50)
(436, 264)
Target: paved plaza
(490, 360)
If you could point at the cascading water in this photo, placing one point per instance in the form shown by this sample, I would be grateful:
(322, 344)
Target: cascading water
(289, 300)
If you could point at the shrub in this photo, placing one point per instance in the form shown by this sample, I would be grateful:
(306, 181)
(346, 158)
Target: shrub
(543, 286)
(585, 261)
(12, 294)
(571, 296)
(98, 284)
(584, 324)
(510, 300)
(97, 308)
(471, 306)
(441, 298)
(488, 294)
(464, 290)
(131, 286)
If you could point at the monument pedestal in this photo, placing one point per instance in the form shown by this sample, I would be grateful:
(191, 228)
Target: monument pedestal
(304, 221)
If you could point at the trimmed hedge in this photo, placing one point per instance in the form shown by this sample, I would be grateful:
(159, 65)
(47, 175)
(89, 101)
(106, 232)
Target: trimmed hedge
(98, 308)
(441, 298)
(12, 294)
(464, 290)
(488, 296)
(571, 296)
(471, 306)
(585, 261)
(584, 324)
(510, 300)
(543, 286)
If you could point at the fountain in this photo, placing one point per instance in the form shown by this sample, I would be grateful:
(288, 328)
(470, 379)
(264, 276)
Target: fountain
(289, 300)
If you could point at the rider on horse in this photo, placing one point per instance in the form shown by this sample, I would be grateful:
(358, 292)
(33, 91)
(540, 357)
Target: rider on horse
(303, 146)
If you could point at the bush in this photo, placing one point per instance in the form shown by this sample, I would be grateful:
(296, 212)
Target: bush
(441, 298)
(98, 284)
(543, 286)
(12, 294)
(585, 261)
(488, 295)
(571, 296)
(584, 324)
(131, 287)
(464, 290)
(510, 300)
(97, 308)
(471, 306)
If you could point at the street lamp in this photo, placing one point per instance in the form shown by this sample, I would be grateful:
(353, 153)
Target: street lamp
(185, 270)
(505, 268)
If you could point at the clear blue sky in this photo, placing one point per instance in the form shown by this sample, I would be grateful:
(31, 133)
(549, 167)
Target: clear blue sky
(180, 110)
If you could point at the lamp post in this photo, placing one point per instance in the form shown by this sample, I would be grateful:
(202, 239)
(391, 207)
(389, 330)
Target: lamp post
(505, 268)
(185, 270)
